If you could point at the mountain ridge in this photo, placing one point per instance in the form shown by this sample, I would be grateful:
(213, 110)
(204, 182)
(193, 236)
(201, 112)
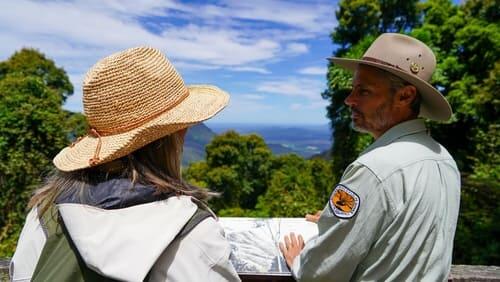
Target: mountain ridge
(307, 141)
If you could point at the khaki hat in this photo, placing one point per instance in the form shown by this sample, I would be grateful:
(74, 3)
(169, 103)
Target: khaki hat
(131, 99)
(409, 59)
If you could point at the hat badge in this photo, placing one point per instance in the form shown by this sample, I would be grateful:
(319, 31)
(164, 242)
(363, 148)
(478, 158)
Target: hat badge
(414, 67)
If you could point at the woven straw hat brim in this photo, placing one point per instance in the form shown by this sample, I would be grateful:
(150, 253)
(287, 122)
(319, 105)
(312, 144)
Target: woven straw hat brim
(433, 106)
(202, 103)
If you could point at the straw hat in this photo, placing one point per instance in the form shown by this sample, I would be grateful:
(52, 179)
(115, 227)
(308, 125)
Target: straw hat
(409, 59)
(132, 98)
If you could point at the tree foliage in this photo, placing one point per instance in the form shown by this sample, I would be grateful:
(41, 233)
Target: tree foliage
(33, 128)
(253, 182)
(360, 18)
(238, 166)
(296, 187)
(466, 41)
(29, 62)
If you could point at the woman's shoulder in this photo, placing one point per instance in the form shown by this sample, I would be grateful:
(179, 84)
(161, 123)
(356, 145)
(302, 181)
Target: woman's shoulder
(209, 237)
(204, 249)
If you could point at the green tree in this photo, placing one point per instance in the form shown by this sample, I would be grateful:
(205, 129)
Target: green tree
(468, 52)
(296, 187)
(323, 178)
(237, 166)
(360, 18)
(255, 183)
(476, 237)
(398, 15)
(31, 133)
(30, 62)
(356, 19)
(33, 128)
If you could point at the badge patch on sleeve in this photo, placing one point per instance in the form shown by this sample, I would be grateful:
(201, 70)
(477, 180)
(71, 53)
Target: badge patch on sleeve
(344, 203)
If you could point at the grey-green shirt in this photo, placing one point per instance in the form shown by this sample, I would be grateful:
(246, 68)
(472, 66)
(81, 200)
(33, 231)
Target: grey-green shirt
(399, 216)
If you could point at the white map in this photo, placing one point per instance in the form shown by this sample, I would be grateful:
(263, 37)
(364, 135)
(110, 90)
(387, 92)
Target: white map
(254, 241)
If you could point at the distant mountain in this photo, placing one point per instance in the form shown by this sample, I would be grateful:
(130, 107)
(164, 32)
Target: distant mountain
(325, 155)
(197, 137)
(304, 140)
(279, 149)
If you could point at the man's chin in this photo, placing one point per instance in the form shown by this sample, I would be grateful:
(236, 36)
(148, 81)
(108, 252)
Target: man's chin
(359, 128)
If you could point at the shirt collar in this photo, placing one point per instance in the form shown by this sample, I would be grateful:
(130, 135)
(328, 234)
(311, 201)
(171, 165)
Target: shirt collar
(402, 129)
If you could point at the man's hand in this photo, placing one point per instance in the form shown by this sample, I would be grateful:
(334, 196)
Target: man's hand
(292, 247)
(313, 217)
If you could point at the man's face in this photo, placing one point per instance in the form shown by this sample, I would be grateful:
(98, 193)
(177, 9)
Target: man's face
(370, 101)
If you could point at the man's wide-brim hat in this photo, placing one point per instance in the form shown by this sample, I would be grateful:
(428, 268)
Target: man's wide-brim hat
(131, 99)
(409, 59)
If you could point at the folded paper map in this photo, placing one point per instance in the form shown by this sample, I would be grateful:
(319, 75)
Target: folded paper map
(254, 242)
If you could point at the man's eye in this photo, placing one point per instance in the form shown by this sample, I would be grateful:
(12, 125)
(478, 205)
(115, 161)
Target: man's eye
(364, 92)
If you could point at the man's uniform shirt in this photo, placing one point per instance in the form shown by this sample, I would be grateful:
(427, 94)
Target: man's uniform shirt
(392, 217)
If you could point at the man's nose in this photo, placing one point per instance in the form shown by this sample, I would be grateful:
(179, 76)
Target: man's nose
(349, 100)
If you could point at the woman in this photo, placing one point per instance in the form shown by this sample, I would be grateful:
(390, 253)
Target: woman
(116, 207)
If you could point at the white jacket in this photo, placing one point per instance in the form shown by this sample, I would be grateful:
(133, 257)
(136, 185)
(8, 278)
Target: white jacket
(127, 243)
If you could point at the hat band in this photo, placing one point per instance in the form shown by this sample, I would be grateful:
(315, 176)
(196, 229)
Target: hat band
(371, 59)
(98, 134)
(140, 122)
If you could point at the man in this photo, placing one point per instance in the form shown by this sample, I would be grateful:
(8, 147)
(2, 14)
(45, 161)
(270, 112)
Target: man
(393, 215)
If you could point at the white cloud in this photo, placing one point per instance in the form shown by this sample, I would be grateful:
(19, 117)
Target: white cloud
(216, 46)
(182, 65)
(313, 70)
(233, 35)
(296, 48)
(294, 87)
(134, 7)
(252, 96)
(96, 29)
(305, 15)
(72, 29)
(251, 69)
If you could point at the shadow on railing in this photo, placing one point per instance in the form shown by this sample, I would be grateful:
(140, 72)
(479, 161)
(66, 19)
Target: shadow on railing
(459, 273)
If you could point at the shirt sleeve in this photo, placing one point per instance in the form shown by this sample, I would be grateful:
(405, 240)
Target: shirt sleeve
(345, 232)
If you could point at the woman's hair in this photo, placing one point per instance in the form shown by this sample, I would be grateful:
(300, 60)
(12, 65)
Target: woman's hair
(157, 164)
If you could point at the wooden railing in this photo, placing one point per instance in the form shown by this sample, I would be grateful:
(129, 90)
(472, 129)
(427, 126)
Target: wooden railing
(459, 273)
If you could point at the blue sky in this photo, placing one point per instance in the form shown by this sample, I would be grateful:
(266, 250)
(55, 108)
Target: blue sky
(269, 55)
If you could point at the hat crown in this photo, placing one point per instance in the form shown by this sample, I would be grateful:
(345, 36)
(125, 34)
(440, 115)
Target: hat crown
(403, 52)
(128, 88)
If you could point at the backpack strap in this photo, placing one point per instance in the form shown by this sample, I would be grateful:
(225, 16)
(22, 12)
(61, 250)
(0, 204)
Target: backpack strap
(202, 212)
(60, 259)
(198, 216)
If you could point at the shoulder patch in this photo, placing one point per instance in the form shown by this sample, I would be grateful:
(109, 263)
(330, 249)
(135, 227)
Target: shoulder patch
(343, 202)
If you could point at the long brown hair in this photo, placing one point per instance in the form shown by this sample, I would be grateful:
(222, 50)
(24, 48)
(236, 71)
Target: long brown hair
(157, 164)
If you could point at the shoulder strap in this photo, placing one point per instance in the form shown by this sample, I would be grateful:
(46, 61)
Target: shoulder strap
(198, 216)
(60, 260)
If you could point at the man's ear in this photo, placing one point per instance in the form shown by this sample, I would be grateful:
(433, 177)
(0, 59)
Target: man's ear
(405, 95)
